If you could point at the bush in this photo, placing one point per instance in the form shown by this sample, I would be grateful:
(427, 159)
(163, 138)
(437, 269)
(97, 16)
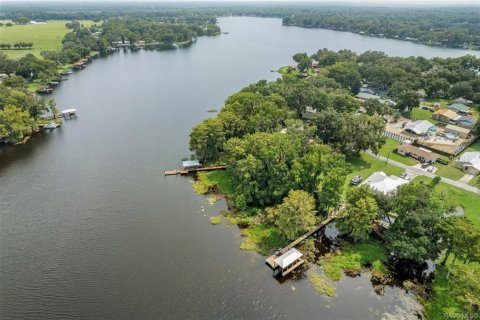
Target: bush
(443, 161)
(435, 181)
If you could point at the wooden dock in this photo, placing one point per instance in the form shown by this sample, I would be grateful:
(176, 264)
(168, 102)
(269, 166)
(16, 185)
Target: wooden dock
(270, 260)
(379, 230)
(193, 170)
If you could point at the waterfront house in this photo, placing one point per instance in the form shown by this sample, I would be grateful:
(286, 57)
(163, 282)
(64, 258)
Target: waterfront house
(420, 127)
(379, 181)
(459, 131)
(459, 108)
(421, 154)
(469, 162)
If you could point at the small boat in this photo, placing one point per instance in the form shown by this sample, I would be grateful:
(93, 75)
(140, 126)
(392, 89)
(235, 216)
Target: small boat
(51, 125)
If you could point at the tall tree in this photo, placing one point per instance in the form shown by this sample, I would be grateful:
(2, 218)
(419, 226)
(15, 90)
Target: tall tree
(296, 214)
(360, 211)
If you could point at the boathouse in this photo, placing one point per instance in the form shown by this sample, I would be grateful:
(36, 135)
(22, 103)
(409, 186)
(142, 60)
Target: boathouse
(68, 112)
(287, 262)
(190, 164)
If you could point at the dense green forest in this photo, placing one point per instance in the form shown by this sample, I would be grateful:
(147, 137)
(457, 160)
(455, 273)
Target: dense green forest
(457, 27)
(450, 27)
(287, 172)
(20, 110)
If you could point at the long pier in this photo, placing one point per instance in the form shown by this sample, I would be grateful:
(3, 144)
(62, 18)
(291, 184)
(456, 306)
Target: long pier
(193, 170)
(270, 260)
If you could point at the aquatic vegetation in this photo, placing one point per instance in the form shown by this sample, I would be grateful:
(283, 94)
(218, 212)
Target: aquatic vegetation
(262, 238)
(321, 285)
(354, 257)
(216, 219)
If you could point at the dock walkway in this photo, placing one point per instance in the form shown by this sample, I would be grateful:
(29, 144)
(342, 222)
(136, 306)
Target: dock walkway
(270, 260)
(193, 170)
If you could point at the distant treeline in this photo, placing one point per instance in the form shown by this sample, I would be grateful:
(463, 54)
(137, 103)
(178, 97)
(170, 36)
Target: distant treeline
(17, 45)
(450, 27)
(445, 26)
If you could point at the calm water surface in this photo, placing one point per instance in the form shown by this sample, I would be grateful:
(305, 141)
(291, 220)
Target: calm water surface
(91, 229)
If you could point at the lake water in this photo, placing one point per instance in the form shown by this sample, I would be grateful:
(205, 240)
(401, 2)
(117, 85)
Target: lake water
(90, 228)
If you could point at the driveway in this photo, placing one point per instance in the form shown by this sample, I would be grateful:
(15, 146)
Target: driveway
(421, 172)
(466, 178)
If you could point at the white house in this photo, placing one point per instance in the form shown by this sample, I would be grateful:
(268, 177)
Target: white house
(379, 181)
(469, 162)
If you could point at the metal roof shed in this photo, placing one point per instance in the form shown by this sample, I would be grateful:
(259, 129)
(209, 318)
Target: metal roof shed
(288, 261)
(191, 164)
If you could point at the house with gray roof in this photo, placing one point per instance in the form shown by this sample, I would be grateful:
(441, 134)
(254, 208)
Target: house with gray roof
(420, 127)
(469, 162)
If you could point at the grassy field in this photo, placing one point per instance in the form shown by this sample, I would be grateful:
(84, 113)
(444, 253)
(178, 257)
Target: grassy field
(469, 201)
(420, 114)
(365, 165)
(390, 147)
(46, 37)
(448, 171)
(206, 181)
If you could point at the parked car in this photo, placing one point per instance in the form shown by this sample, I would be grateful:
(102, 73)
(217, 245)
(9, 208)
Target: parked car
(405, 176)
(430, 169)
(355, 180)
(425, 165)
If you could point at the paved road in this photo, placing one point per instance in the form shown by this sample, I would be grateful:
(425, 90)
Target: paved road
(418, 171)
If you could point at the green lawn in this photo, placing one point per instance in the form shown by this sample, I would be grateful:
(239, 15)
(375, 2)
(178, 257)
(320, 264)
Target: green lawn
(475, 181)
(207, 181)
(47, 37)
(443, 102)
(448, 171)
(365, 165)
(469, 201)
(474, 146)
(390, 147)
(420, 114)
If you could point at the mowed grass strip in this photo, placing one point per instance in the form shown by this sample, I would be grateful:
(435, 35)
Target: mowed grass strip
(45, 37)
(469, 201)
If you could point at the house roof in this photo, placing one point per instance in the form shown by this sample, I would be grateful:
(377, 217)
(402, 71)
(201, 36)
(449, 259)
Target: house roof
(288, 258)
(457, 128)
(425, 154)
(419, 126)
(467, 119)
(447, 113)
(379, 181)
(463, 100)
(470, 157)
(459, 107)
